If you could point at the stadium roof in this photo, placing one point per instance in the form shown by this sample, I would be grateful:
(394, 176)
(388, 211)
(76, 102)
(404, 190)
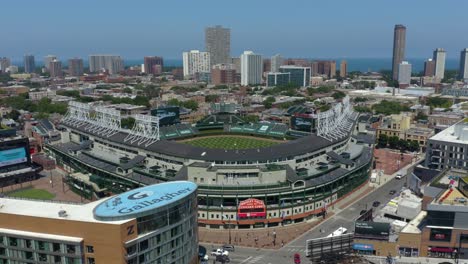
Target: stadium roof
(291, 148)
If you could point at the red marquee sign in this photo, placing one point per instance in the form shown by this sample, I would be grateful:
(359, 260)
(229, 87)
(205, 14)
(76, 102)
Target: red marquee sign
(251, 208)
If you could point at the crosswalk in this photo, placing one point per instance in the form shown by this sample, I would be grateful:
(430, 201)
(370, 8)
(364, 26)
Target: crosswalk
(252, 260)
(295, 250)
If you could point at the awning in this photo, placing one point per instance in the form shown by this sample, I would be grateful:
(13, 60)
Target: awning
(364, 247)
(441, 249)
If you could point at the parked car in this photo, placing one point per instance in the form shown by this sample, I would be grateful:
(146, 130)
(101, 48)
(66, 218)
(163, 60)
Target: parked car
(376, 203)
(297, 258)
(392, 192)
(228, 247)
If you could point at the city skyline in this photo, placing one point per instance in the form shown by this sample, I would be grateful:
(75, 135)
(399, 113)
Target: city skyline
(361, 33)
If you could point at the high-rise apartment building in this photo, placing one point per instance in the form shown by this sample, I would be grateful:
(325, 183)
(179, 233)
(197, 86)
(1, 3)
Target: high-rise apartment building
(276, 62)
(55, 68)
(343, 69)
(237, 63)
(399, 44)
(218, 44)
(251, 68)
(266, 65)
(29, 64)
(327, 68)
(196, 61)
(439, 58)
(299, 76)
(47, 60)
(110, 63)
(75, 67)
(429, 67)
(463, 74)
(153, 65)
(4, 64)
(404, 73)
(223, 74)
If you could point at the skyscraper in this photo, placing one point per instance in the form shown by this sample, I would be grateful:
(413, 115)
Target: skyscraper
(218, 44)
(153, 65)
(276, 62)
(47, 60)
(251, 68)
(343, 69)
(439, 58)
(196, 61)
(75, 67)
(29, 64)
(399, 43)
(55, 68)
(404, 73)
(4, 64)
(463, 74)
(429, 68)
(111, 63)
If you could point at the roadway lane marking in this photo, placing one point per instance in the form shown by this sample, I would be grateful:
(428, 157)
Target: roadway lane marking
(245, 260)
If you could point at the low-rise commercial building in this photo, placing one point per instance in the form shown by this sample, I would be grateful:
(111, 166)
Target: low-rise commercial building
(153, 224)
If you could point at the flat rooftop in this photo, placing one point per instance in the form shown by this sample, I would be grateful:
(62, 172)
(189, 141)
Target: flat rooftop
(455, 134)
(50, 209)
(413, 226)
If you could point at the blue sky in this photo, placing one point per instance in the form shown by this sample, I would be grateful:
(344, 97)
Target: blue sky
(294, 28)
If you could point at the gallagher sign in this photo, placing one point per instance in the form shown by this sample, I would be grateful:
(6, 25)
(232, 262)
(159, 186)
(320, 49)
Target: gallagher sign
(143, 199)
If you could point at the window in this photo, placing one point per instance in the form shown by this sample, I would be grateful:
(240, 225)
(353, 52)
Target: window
(13, 242)
(144, 245)
(42, 257)
(71, 249)
(56, 247)
(89, 249)
(57, 259)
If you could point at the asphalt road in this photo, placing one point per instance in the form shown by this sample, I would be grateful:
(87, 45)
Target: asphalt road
(342, 218)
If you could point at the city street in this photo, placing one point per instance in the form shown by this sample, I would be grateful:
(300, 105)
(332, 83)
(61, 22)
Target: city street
(342, 218)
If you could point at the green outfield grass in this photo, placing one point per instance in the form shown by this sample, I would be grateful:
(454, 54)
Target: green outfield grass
(32, 193)
(230, 142)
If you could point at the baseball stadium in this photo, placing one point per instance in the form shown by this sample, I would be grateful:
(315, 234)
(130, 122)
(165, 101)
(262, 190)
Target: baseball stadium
(249, 175)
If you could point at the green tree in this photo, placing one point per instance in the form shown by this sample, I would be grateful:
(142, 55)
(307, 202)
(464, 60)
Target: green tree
(127, 90)
(190, 104)
(268, 102)
(14, 114)
(338, 95)
(393, 142)
(250, 118)
(421, 116)
(211, 98)
(389, 107)
(362, 109)
(382, 141)
(413, 145)
(127, 122)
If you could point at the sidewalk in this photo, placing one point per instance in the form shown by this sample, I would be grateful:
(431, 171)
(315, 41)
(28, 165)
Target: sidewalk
(418, 260)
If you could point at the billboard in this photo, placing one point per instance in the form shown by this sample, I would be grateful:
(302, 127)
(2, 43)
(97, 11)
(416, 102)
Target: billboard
(371, 230)
(169, 115)
(13, 156)
(303, 123)
(329, 249)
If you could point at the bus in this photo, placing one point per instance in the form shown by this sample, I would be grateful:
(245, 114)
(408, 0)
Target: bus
(340, 231)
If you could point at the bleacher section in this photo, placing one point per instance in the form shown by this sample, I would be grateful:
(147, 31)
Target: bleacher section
(218, 121)
(264, 129)
(177, 130)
